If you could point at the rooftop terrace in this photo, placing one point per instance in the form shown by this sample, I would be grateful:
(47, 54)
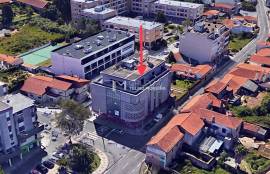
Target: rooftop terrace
(178, 3)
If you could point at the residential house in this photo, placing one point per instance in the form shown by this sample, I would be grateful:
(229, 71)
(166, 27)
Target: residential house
(218, 89)
(228, 8)
(254, 130)
(260, 60)
(38, 4)
(81, 87)
(185, 71)
(47, 89)
(211, 14)
(238, 25)
(7, 62)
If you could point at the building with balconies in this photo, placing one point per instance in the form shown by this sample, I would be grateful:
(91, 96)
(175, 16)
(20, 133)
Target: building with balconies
(87, 57)
(122, 94)
(19, 128)
(210, 40)
(152, 31)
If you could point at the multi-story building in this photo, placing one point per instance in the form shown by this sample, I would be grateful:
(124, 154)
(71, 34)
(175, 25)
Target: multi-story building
(19, 129)
(210, 40)
(122, 94)
(78, 6)
(152, 31)
(86, 58)
(178, 11)
(142, 7)
(99, 13)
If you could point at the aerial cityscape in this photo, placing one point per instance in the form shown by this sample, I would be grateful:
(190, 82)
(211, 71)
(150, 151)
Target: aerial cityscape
(134, 86)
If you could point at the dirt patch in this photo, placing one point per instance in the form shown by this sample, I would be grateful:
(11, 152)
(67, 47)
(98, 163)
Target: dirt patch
(255, 101)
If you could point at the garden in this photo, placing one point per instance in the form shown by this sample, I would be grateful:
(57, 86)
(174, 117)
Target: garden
(259, 114)
(181, 87)
(255, 164)
(237, 42)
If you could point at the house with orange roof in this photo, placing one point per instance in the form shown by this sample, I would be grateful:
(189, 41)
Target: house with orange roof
(263, 52)
(206, 101)
(211, 14)
(47, 89)
(262, 44)
(185, 71)
(260, 60)
(218, 89)
(7, 62)
(38, 4)
(253, 130)
(193, 130)
(81, 86)
(227, 8)
(238, 25)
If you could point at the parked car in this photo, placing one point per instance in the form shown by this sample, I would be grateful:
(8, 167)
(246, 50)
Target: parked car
(54, 138)
(48, 164)
(42, 169)
(58, 155)
(53, 160)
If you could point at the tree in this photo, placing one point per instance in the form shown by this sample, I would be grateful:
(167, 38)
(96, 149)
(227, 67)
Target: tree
(29, 11)
(180, 29)
(72, 117)
(64, 8)
(51, 12)
(171, 58)
(186, 23)
(161, 17)
(7, 15)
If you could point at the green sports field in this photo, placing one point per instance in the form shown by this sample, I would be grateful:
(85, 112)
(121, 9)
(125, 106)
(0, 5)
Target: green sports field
(39, 56)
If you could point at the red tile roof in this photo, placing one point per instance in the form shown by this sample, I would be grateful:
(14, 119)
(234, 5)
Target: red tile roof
(8, 59)
(233, 82)
(200, 70)
(35, 3)
(251, 127)
(228, 23)
(224, 6)
(216, 87)
(211, 13)
(39, 84)
(264, 52)
(4, 1)
(221, 119)
(201, 101)
(178, 56)
(260, 60)
(250, 19)
(73, 79)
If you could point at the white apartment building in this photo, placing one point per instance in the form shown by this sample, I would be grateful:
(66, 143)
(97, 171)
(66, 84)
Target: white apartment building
(152, 31)
(87, 57)
(178, 11)
(142, 6)
(209, 40)
(99, 13)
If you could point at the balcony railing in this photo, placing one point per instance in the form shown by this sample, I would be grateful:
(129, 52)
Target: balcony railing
(30, 133)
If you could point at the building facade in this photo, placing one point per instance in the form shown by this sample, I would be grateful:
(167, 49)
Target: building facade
(19, 127)
(152, 31)
(208, 39)
(124, 95)
(178, 11)
(86, 58)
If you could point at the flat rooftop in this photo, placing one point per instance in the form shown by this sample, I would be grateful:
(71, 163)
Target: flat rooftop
(127, 68)
(131, 22)
(84, 1)
(94, 11)
(17, 101)
(90, 45)
(178, 3)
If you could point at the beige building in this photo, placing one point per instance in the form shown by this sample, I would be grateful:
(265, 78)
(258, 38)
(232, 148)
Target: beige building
(153, 31)
(208, 39)
(178, 11)
(78, 6)
(99, 13)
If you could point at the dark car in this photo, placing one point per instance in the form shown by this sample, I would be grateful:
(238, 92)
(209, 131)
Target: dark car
(48, 164)
(42, 169)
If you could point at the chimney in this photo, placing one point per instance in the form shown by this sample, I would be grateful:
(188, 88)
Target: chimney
(213, 119)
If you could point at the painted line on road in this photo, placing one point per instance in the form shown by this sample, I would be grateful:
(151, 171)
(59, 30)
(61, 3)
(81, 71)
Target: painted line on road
(125, 166)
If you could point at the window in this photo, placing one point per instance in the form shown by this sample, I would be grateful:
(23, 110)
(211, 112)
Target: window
(224, 130)
(9, 128)
(20, 119)
(22, 128)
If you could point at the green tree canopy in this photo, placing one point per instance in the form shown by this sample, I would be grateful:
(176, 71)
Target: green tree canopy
(72, 117)
(161, 17)
(7, 15)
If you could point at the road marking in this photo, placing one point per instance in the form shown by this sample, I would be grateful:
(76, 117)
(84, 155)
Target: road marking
(109, 133)
(92, 135)
(125, 166)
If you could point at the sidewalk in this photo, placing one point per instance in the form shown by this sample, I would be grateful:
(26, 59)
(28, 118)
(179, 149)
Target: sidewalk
(104, 162)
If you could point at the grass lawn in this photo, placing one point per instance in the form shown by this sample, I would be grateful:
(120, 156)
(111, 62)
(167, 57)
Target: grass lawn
(237, 43)
(260, 120)
(187, 168)
(180, 87)
(256, 163)
(27, 38)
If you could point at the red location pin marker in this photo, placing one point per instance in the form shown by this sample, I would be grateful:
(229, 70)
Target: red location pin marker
(141, 67)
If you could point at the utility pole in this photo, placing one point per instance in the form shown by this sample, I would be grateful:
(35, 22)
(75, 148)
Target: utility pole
(103, 144)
